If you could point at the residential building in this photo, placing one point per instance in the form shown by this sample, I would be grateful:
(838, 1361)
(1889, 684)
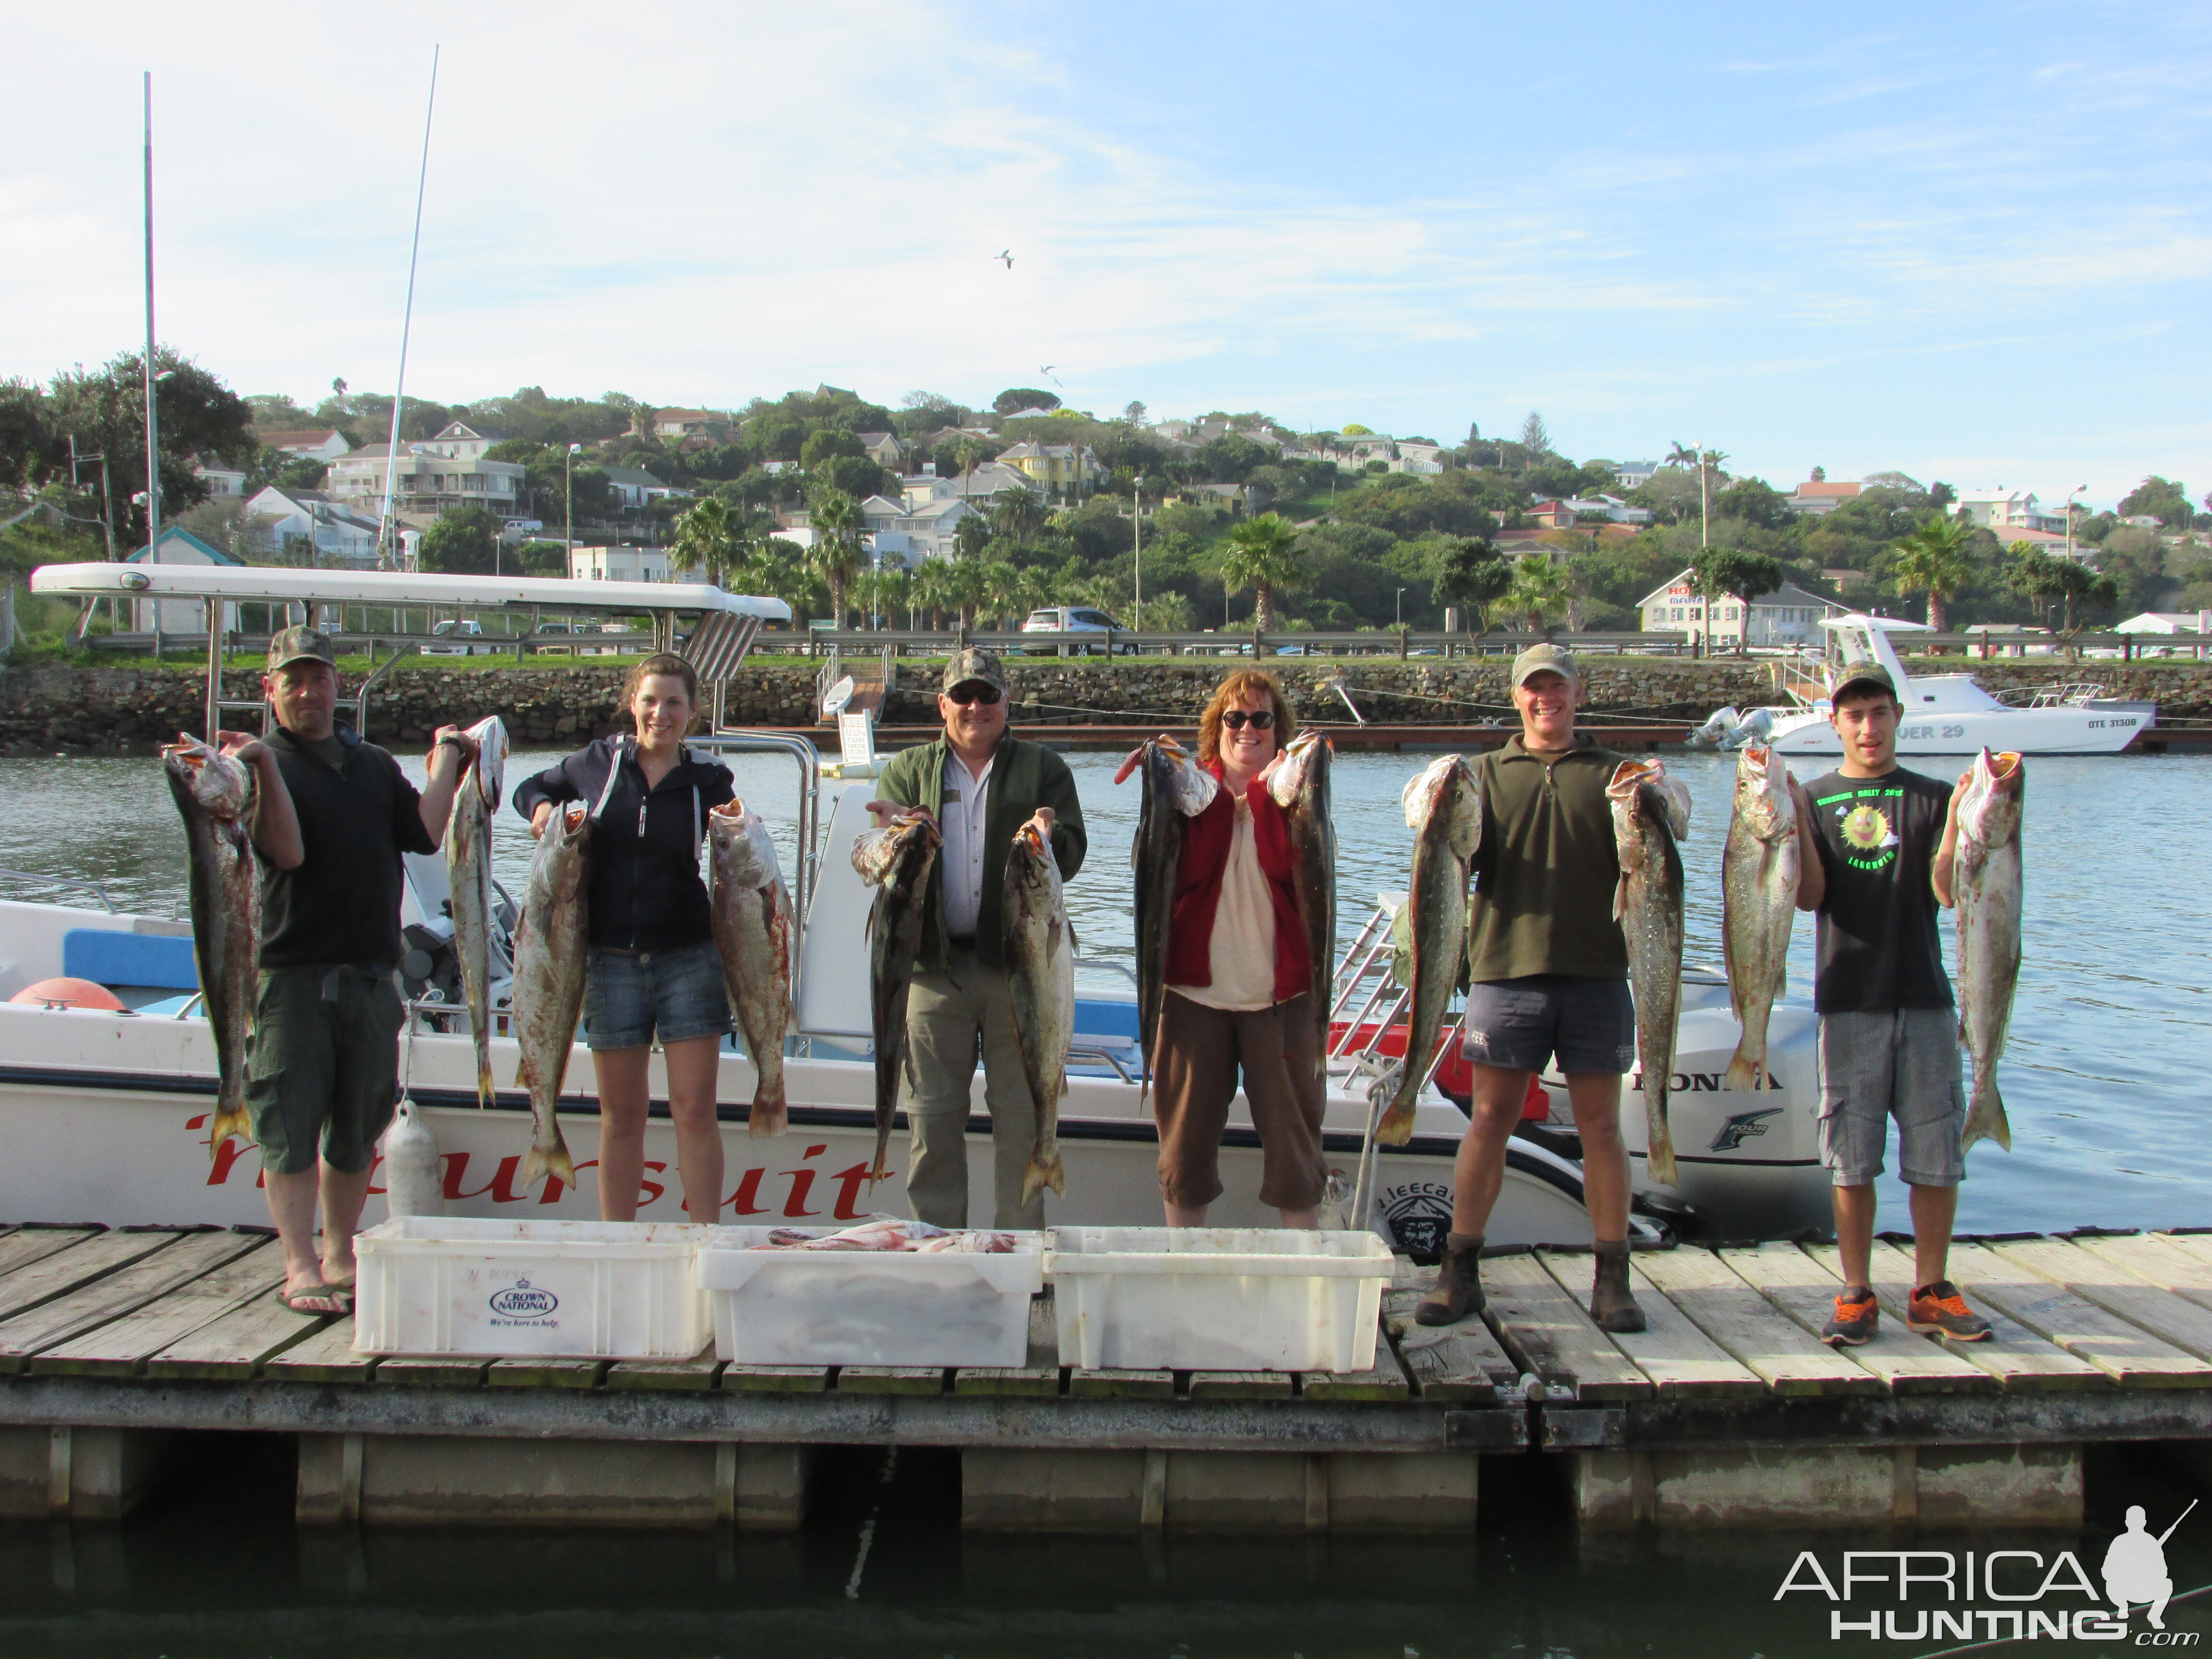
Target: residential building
(1214, 495)
(1614, 508)
(1553, 514)
(909, 531)
(618, 564)
(432, 477)
(1063, 469)
(341, 538)
(884, 448)
(2167, 622)
(180, 546)
(987, 482)
(633, 487)
(222, 481)
(1788, 616)
(1420, 449)
(709, 423)
(1820, 496)
(2007, 510)
(1634, 475)
(325, 443)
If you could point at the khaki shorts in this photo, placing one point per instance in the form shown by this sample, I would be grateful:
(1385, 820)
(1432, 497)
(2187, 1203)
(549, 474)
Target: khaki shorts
(1902, 1064)
(325, 1068)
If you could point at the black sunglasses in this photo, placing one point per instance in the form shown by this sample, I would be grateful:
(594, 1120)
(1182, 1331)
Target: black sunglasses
(974, 691)
(1234, 719)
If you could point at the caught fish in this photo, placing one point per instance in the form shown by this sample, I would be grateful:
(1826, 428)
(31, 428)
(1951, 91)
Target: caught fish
(1650, 810)
(1300, 786)
(1985, 881)
(755, 930)
(468, 873)
(1443, 809)
(214, 795)
(886, 1232)
(1041, 978)
(551, 944)
(1758, 897)
(1175, 787)
(897, 860)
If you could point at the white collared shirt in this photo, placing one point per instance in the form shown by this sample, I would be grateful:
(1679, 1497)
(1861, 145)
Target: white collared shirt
(967, 798)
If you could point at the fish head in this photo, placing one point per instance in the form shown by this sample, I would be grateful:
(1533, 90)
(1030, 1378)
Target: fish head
(1989, 811)
(745, 852)
(1641, 789)
(1426, 790)
(1303, 765)
(487, 772)
(1762, 792)
(219, 786)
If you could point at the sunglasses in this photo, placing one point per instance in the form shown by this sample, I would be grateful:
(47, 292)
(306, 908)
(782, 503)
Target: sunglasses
(1235, 719)
(974, 691)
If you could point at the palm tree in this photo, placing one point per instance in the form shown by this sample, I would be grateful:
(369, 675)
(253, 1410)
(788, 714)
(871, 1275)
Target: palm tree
(1263, 556)
(836, 554)
(1935, 560)
(1002, 587)
(935, 591)
(707, 539)
(1019, 514)
(776, 569)
(970, 454)
(1708, 464)
(1680, 455)
(965, 588)
(1538, 592)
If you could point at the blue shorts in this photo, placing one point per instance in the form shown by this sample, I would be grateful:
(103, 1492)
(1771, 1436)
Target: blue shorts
(1518, 1025)
(629, 997)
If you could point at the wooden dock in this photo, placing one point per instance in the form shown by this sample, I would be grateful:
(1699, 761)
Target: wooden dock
(119, 1348)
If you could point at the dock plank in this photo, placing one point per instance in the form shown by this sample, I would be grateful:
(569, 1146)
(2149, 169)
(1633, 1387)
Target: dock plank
(111, 1296)
(2173, 1320)
(121, 1346)
(2125, 1353)
(1107, 1383)
(328, 1356)
(545, 1373)
(1806, 1290)
(2158, 1259)
(890, 1379)
(1547, 1332)
(698, 1372)
(88, 1259)
(1448, 1367)
(1681, 1360)
(1385, 1383)
(1031, 1382)
(1760, 1336)
(432, 1370)
(22, 1246)
(1240, 1385)
(237, 1344)
(775, 1379)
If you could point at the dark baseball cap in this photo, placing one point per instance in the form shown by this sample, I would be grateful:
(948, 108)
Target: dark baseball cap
(293, 645)
(972, 664)
(1547, 659)
(1854, 676)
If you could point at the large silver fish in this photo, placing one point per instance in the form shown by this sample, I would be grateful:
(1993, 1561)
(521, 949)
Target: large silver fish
(551, 948)
(1175, 788)
(1300, 784)
(1443, 809)
(757, 931)
(1650, 810)
(1040, 947)
(468, 873)
(1759, 900)
(1985, 881)
(896, 861)
(214, 795)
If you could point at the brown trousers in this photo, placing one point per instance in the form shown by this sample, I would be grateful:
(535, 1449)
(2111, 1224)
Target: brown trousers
(1201, 1049)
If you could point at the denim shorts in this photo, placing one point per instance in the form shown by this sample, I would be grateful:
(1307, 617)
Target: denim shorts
(1518, 1025)
(630, 997)
(1902, 1064)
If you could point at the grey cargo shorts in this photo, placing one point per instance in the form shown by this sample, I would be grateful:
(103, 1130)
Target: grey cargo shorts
(1900, 1063)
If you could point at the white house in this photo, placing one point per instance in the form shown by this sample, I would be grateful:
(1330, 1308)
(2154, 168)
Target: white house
(633, 487)
(180, 546)
(432, 477)
(1634, 475)
(2167, 622)
(339, 534)
(618, 564)
(1786, 616)
(884, 448)
(1612, 507)
(325, 443)
(987, 482)
(2003, 510)
(707, 423)
(221, 480)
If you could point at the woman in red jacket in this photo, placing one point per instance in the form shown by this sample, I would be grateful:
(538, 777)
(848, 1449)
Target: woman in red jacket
(1237, 979)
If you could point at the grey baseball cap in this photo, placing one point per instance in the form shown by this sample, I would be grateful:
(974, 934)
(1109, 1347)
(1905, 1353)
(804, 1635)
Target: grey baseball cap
(293, 645)
(1856, 674)
(1547, 659)
(974, 663)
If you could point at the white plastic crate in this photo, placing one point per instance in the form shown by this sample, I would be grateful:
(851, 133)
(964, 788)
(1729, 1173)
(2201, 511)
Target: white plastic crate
(581, 1289)
(1217, 1298)
(868, 1307)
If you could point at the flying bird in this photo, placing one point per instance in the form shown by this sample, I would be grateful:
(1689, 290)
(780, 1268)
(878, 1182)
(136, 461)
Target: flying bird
(1007, 254)
(1047, 372)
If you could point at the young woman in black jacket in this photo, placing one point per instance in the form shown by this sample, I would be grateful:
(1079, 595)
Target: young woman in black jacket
(653, 967)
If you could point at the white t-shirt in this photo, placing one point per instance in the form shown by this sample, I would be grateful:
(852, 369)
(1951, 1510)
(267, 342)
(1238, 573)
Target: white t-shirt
(1242, 948)
(967, 798)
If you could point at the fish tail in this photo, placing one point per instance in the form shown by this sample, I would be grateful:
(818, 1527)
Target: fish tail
(1044, 1172)
(543, 1160)
(1659, 1153)
(232, 1119)
(1743, 1070)
(769, 1115)
(1396, 1127)
(487, 1091)
(1985, 1118)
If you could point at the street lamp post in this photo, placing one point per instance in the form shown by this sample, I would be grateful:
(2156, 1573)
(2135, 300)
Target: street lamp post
(2070, 510)
(569, 504)
(1401, 608)
(1137, 520)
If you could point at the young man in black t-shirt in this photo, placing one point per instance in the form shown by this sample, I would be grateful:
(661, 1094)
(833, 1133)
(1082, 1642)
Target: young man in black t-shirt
(1877, 842)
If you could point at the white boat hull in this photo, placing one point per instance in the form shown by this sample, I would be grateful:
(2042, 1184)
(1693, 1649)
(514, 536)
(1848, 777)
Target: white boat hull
(2090, 729)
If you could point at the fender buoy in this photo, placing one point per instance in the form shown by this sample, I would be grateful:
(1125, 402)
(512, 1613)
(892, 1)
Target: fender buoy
(71, 993)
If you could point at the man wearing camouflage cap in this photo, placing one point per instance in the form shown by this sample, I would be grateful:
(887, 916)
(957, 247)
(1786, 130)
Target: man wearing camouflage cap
(333, 815)
(982, 786)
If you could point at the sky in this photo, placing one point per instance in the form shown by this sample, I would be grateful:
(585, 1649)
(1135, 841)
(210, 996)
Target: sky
(1968, 241)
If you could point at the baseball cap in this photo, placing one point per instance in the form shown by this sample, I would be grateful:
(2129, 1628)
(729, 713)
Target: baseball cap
(1545, 659)
(1855, 674)
(293, 645)
(972, 663)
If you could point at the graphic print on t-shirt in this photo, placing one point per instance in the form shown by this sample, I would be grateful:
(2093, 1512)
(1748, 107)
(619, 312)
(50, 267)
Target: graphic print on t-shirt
(1869, 831)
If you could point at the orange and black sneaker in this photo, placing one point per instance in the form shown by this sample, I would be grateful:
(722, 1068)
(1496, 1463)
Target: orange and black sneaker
(1940, 1308)
(1856, 1311)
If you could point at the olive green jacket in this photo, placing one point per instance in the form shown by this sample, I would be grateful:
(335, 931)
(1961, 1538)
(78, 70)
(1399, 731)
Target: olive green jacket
(1024, 777)
(1546, 870)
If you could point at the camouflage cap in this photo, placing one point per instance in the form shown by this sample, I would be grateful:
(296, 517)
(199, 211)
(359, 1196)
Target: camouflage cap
(293, 645)
(1855, 674)
(972, 663)
(1547, 657)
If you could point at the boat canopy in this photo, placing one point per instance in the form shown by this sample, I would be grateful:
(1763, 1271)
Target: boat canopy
(281, 584)
(1886, 624)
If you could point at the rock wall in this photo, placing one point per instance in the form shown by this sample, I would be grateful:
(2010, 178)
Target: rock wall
(131, 709)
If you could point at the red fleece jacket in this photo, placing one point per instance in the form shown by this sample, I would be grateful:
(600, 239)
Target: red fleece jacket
(1206, 842)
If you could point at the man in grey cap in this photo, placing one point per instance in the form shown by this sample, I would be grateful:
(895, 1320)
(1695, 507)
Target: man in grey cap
(333, 814)
(982, 786)
(1549, 975)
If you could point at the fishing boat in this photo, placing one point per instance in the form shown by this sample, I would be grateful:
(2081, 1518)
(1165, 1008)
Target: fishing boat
(105, 1110)
(1951, 713)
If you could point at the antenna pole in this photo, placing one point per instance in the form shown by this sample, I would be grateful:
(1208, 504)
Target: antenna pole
(387, 536)
(153, 416)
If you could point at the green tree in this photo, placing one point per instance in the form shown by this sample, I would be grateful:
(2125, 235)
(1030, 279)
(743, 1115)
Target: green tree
(836, 554)
(463, 542)
(2163, 499)
(201, 419)
(1263, 553)
(828, 444)
(1937, 559)
(2052, 583)
(1539, 592)
(1019, 513)
(1473, 575)
(1755, 502)
(710, 538)
(936, 590)
(970, 454)
(1742, 576)
(1022, 397)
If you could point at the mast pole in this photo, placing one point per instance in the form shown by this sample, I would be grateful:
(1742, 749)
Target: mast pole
(153, 416)
(387, 536)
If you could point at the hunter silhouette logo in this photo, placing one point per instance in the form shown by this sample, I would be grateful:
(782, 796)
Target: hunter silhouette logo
(2135, 1567)
(1741, 1127)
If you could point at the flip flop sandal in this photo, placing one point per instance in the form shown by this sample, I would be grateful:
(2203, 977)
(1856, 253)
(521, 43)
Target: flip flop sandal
(319, 1293)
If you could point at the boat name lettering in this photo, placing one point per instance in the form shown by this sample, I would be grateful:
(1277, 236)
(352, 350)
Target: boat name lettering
(1927, 732)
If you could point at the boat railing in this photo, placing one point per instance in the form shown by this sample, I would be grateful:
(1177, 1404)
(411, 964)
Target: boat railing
(1803, 688)
(2077, 694)
(801, 750)
(73, 882)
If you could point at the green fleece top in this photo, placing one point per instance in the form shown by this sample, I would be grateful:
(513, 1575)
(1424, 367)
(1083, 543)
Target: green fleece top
(1024, 777)
(1546, 872)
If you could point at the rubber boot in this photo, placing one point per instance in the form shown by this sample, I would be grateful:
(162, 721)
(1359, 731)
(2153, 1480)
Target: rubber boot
(1612, 1304)
(1459, 1283)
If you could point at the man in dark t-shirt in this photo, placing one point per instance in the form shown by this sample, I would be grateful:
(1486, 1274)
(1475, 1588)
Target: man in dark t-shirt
(332, 815)
(1876, 844)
